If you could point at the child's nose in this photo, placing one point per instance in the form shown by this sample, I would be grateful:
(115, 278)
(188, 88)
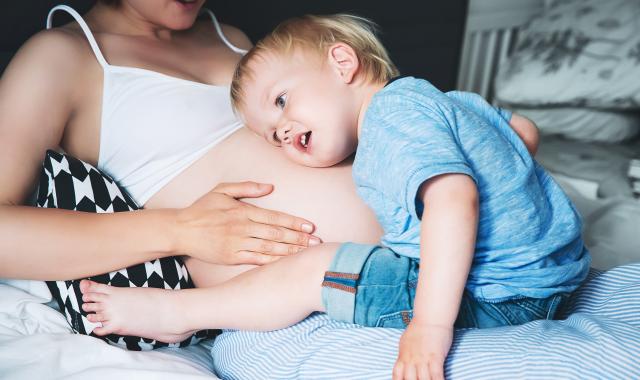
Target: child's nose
(285, 134)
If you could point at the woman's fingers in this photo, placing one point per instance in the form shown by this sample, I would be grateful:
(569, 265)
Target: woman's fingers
(276, 218)
(282, 235)
(302, 226)
(218, 226)
(246, 189)
(268, 247)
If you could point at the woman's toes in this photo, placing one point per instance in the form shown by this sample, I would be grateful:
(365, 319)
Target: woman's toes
(96, 317)
(87, 286)
(91, 307)
(96, 287)
(84, 286)
(94, 297)
(102, 331)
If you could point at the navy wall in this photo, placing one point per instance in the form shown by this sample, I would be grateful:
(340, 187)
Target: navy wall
(423, 37)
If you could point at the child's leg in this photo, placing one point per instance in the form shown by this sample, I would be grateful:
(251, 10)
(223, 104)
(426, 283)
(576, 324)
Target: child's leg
(371, 286)
(270, 297)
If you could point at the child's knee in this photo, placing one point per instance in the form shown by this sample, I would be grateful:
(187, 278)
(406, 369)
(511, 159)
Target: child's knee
(319, 256)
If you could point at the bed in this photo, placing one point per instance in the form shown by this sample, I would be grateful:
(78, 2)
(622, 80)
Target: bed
(600, 337)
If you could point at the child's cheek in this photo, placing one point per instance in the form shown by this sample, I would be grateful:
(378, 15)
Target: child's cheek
(292, 154)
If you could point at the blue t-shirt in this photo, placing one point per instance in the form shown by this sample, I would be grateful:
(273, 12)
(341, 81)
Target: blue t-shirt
(529, 233)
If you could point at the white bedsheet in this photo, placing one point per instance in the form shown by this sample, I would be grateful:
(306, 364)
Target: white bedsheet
(37, 343)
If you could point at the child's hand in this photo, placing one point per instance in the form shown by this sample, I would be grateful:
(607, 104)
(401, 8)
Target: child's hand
(423, 349)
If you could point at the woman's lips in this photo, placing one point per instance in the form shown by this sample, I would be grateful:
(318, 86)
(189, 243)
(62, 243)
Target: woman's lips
(186, 4)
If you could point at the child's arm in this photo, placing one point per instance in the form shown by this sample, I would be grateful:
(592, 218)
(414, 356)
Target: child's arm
(448, 238)
(524, 128)
(527, 131)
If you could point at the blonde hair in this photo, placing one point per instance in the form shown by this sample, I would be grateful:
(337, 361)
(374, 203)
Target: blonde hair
(317, 33)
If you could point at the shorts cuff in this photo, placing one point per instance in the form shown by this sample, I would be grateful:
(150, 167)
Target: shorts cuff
(341, 280)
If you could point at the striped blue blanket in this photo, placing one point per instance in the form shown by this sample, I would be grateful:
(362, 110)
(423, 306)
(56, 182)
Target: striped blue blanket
(597, 338)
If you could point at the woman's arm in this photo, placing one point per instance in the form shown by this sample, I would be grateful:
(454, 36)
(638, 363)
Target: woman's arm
(39, 92)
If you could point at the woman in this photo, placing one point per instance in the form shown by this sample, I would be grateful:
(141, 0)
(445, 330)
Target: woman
(135, 71)
(52, 95)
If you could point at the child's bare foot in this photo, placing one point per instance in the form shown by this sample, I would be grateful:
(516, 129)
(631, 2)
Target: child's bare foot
(146, 312)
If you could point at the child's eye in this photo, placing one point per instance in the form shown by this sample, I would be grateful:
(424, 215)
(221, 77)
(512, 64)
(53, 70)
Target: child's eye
(281, 101)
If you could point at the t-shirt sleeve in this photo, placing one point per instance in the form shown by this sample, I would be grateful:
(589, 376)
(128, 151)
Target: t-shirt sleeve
(504, 113)
(411, 147)
(480, 106)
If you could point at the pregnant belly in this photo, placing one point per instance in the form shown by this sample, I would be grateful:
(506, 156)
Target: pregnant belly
(326, 196)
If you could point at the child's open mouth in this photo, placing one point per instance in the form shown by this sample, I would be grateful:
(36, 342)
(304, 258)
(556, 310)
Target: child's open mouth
(303, 141)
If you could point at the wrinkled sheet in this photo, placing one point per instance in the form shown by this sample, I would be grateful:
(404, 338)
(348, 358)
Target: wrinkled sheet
(36, 342)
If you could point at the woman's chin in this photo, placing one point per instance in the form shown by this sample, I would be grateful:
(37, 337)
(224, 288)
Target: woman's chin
(181, 24)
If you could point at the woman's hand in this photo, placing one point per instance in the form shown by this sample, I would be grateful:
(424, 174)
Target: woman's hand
(422, 351)
(220, 229)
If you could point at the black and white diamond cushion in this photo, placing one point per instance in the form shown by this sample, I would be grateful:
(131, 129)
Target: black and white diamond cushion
(71, 184)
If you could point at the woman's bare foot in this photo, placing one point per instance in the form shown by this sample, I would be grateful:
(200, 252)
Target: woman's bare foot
(146, 312)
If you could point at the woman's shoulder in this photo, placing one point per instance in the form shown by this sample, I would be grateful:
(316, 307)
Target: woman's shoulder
(236, 36)
(47, 70)
(55, 48)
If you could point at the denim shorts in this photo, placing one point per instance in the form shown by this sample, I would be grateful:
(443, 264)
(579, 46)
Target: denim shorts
(373, 286)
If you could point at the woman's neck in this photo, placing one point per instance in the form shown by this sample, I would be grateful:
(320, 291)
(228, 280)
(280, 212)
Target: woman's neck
(125, 20)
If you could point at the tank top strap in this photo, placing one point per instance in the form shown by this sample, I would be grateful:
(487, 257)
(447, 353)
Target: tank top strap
(222, 37)
(85, 29)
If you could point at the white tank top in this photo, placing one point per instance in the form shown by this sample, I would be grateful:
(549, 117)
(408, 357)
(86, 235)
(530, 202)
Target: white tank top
(153, 125)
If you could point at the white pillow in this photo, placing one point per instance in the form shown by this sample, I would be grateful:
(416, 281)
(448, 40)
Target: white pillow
(584, 124)
(577, 53)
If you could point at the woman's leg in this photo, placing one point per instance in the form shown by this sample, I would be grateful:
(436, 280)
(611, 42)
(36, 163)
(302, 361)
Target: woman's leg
(270, 297)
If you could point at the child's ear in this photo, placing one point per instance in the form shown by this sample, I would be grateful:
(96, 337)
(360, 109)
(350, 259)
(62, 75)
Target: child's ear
(344, 61)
